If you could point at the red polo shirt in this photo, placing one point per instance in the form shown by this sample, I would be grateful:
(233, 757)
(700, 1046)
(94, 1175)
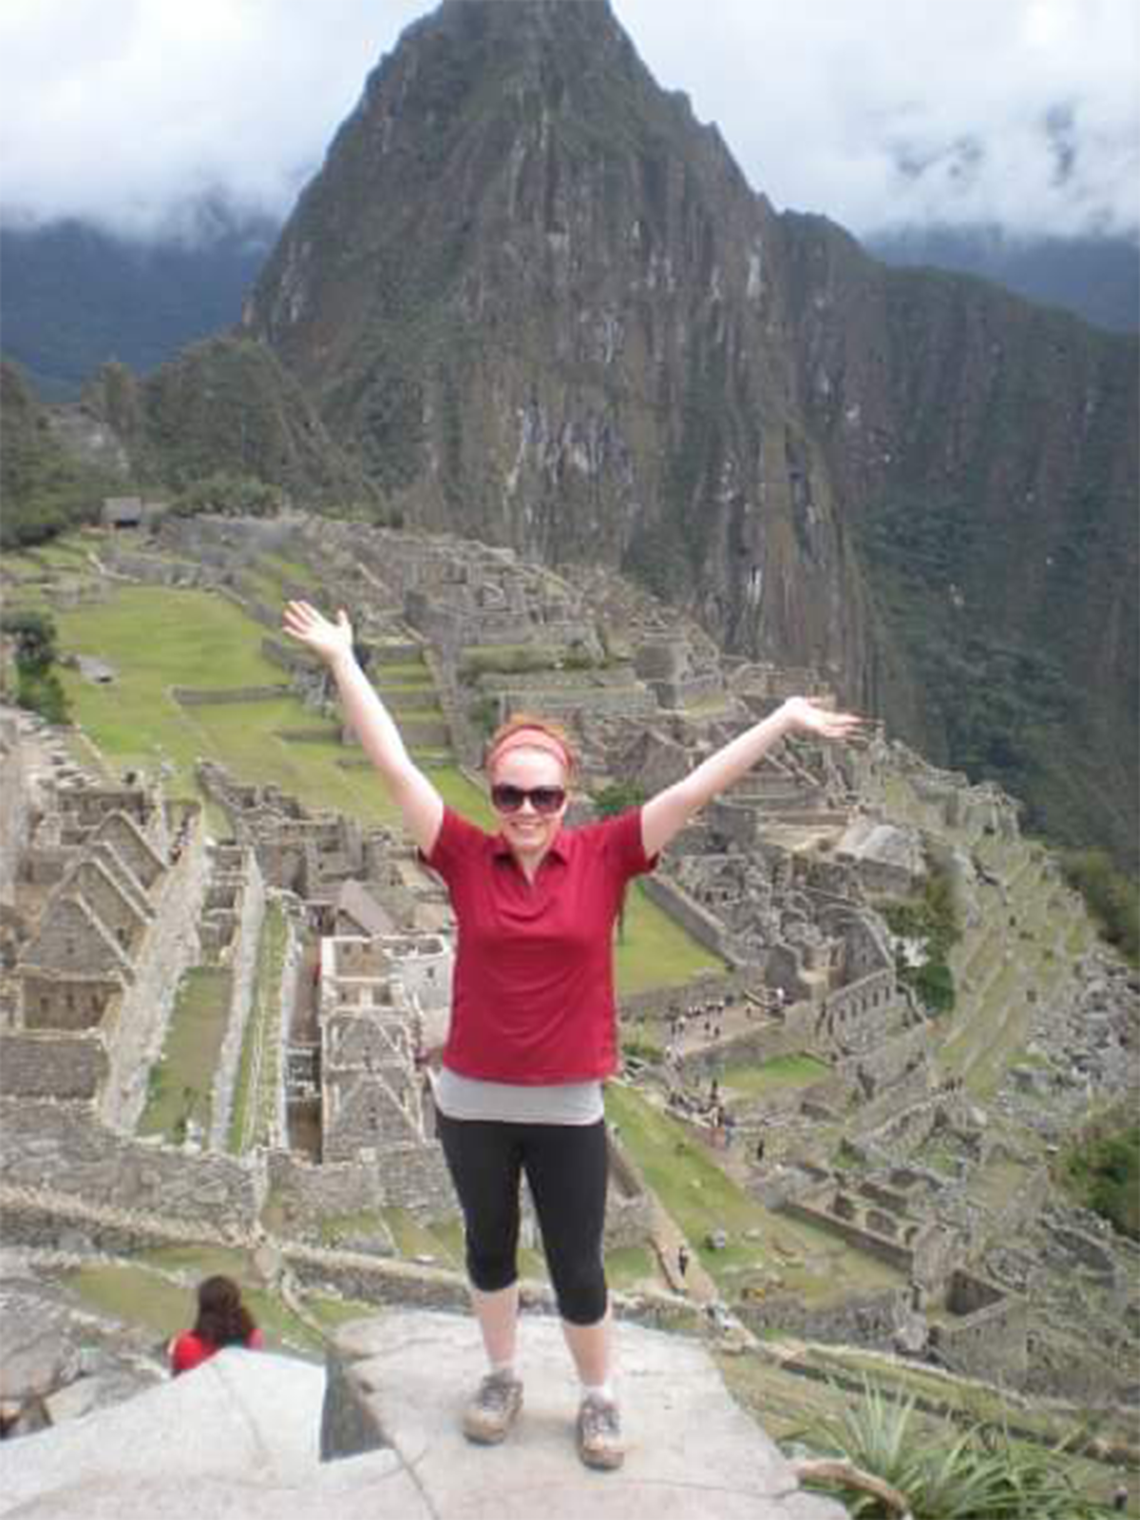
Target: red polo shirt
(533, 991)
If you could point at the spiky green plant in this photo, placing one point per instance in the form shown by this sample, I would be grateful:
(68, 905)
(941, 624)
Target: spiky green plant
(981, 1474)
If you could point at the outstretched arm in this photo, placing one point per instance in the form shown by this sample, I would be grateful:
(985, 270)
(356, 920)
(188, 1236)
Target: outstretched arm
(420, 804)
(667, 814)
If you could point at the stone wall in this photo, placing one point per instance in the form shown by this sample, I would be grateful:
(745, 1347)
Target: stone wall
(771, 1038)
(192, 696)
(371, 1280)
(287, 992)
(68, 943)
(306, 1194)
(84, 809)
(135, 1035)
(904, 1115)
(411, 1177)
(629, 1206)
(43, 867)
(705, 927)
(666, 1002)
(417, 732)
(49, 1145)
(869, 1241)
(115, 908)
(989, 1340)
(64, 1003)
(150, 570)
(857, 1017)
(416, 1178)
(864, 1320)
(243, 968)
(15, 806)
(455, 627)
(37, 1221)
(892, 1060)
(69, 1067)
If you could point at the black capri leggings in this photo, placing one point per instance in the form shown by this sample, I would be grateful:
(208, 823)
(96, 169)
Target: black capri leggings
(566, 1167)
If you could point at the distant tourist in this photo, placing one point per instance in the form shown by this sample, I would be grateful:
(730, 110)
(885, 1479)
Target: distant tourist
(533, 1026)
(223, 1320)
(682, 1260)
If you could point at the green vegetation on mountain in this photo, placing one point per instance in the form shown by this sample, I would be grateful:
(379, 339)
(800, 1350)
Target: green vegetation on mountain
(224, 408)
(38, 685)
(44, 488)
(1112, 898)
(76, 296)
(995, 518)
(1102, 1171)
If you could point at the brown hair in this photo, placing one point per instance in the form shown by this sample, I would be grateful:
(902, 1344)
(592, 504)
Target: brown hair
(517, 723)
(223, 1319)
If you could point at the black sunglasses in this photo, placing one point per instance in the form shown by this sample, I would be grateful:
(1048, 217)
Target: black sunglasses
(543, 799)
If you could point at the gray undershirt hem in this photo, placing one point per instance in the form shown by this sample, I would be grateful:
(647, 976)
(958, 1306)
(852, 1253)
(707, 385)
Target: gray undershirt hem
(509, 1103)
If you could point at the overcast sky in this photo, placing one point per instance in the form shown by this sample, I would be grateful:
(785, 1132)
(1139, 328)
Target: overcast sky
(1025, 113)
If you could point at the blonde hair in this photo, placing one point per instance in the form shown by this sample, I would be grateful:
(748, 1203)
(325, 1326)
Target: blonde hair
(558, 741)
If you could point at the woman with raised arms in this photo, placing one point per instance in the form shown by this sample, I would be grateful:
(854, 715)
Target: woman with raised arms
(533, 1025)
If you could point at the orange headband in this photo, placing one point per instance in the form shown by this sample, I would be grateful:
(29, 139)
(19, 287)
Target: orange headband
(531, 738)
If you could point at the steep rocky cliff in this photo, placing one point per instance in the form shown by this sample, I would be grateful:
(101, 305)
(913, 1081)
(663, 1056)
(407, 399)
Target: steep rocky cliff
(539, 301)
(536, 296)
(984, 451)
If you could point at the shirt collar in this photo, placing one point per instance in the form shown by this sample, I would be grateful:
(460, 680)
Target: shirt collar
(559, 846)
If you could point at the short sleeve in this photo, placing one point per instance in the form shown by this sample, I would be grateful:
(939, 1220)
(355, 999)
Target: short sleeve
(624, 845)
(456, 842)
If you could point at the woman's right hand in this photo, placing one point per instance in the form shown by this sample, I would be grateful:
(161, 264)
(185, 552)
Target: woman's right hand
(330, 641)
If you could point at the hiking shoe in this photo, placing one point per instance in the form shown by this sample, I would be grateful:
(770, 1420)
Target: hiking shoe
(493, 1409)
(599, 1433)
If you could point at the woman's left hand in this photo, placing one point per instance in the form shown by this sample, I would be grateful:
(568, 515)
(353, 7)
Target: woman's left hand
(806, 717)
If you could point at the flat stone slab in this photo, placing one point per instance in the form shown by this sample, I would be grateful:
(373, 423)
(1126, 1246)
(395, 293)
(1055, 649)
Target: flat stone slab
(238, 1439)
(692, 1452)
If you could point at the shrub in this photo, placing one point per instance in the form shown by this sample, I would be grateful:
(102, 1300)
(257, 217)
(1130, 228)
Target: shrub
(616, 798)
(230, 494)
(1112, 898)
(484, 714)
(1103, 1172)
(978, 1474)
(931, 919)
(38, 687)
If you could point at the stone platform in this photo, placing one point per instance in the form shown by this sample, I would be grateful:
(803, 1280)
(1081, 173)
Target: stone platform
(240, 1439)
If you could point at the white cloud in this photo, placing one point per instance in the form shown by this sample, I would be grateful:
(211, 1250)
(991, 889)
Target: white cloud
(1021, 112)
(117, 110)
(897, 111)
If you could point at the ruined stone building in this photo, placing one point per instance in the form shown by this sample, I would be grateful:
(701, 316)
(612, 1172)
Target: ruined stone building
(107, 886)
(383, 1002)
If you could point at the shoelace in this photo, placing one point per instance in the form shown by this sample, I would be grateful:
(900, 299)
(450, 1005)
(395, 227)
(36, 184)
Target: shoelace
(600, 1419)
(495, 1393)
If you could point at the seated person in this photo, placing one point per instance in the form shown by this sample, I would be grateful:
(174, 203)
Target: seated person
(223, 1320)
